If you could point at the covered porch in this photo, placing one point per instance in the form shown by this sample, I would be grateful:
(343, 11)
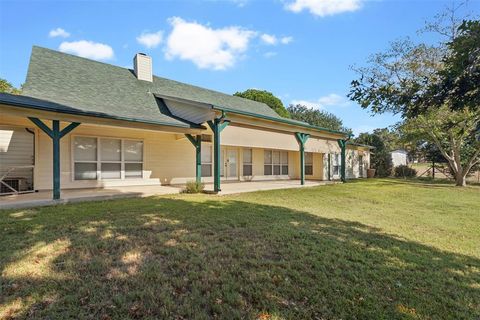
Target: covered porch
(44, 198)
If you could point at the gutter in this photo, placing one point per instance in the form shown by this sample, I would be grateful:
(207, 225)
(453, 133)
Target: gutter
(281, 120)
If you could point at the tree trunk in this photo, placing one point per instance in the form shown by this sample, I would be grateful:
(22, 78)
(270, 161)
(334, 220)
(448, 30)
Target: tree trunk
(460, 179)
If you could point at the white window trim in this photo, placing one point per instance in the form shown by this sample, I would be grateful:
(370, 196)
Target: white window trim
(99, 160)
(272, 164)
(308, 164)
(208, 145)
(247, 163)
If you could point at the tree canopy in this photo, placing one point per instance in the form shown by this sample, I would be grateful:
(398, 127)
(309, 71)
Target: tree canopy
(316, 117)
(266, 97)
(434, 87)
(7, 87)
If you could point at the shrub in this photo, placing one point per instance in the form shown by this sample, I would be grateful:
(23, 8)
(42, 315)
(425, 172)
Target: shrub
(193, 187)
(382, 162)
(404, 172)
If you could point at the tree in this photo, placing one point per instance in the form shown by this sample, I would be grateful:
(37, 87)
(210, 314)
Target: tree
(7, 87)
(266, 97)
(380, 159)
(458, 84)
(427, 86)
(453, 133)
(316, 117)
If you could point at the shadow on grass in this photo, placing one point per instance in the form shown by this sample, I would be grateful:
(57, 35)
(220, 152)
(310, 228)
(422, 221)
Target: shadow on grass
(180, 259)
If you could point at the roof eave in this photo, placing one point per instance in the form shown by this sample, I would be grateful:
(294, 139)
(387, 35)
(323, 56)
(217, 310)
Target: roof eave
(281, 120)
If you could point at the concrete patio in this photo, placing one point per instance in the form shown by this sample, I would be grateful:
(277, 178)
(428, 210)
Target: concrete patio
(44, 198)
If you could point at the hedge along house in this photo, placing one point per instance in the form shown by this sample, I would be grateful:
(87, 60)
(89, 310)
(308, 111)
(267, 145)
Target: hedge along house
(84, 124)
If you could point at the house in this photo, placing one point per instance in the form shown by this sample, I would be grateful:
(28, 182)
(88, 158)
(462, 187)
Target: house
(85, 124)
(399, 157)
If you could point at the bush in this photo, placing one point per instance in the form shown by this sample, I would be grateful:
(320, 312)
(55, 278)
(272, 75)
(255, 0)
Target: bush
(193, 187)
(404, 172)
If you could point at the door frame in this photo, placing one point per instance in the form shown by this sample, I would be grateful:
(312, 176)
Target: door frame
(224, 156)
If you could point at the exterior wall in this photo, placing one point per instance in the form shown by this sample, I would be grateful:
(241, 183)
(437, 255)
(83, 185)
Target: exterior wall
(399, 158)
(169, 158)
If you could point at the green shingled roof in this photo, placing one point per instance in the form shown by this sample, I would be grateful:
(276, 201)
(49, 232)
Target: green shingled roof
(93, 86)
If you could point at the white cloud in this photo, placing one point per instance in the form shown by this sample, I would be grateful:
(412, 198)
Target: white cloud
(150, 40)
(363, 128)
(87, 49)
(286, 40)
(329, 100)
(269, 54)
(324, 8)
(207, 48)
(269, 39)
(58, 32)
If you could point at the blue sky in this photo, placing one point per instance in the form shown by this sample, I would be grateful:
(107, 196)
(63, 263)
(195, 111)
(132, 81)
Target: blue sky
(300, 50)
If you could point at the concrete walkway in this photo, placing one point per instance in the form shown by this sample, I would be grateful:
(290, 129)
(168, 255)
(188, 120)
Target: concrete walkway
(44, 198)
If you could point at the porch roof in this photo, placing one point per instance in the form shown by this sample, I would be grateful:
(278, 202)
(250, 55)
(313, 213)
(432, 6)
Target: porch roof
(46, 105)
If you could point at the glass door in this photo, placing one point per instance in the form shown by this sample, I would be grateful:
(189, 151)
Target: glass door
(230, 164)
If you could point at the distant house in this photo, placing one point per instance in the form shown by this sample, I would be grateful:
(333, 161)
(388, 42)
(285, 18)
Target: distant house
(85, 124)
(399, 157)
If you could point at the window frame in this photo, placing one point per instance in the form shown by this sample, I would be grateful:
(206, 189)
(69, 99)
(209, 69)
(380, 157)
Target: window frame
(207, 145)
(250, 164)
(310, 165)
(272, 164)
(336, 164)
(99, 161)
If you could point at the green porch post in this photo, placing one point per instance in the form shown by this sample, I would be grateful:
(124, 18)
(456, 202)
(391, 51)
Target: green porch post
(342, 143)
(302, 139)
(56, 135)
(217, 125)
(197, 143)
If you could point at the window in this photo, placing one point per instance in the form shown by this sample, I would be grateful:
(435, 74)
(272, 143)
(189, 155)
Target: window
(247, 162)
(133, 158)
(207, 161)
(308, 163)
(107, 158)
(275, 163)
(336, 164)
(85, 155)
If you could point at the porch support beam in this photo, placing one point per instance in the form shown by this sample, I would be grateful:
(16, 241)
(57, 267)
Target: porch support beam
(55, 134)
(197, 143)
(343, 144)
(302, 139)
(217, 125)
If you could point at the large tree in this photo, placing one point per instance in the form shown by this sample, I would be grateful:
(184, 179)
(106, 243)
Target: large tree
(266, 97)
(316, 117)
(434, 88)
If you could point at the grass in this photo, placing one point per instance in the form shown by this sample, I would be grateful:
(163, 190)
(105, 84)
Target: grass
(376, 249)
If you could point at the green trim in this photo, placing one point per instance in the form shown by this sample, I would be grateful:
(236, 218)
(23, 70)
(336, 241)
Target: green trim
(56, 158)
(197, 143)
(56, 135)
(68, 129)
(281, 120)
(343, 143)
(57, 108)
(217, 125)
(302, 139)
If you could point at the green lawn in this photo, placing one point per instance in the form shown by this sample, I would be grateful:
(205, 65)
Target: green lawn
(377, 249)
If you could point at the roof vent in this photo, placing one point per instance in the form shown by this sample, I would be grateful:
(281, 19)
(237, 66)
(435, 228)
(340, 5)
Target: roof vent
(142, 65)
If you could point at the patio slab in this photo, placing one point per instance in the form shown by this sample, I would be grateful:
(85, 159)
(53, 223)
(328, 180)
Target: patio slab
(44, 198)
